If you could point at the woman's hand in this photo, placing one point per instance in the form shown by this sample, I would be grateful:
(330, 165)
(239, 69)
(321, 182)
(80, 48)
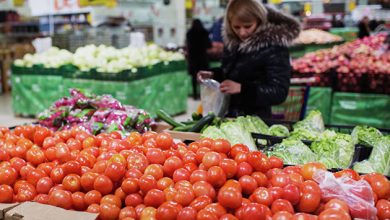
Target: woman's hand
(230, 87)
(202, 75)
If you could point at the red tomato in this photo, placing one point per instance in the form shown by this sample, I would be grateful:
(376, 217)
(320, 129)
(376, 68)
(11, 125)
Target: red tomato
(154, 170)
(248, 184)
(253, 211)
(220, 146)
(329, 214)
(171, 164)
(154, 197)
(130, 185)
(6, 194)
(133, 200)
(115, 171)
(262, 196)
(109, 211)
(276, 192)
(34, 175)
(282, 215)
(304, 216)
(103, 184)
(127, 212)
(155, 155)
(41, 198)
(309, 202)
(190, 157)
(296, 179)
(349, 173)
(238, 148)
(44, 185)
(216, 176)
(198, 175)
(228, 217)
(276, 162)
(241, 157)
(146, 183)
(383, 207)
(211, 159)
(4, 156)
(92, 197)
(310, 168)
(206, 215)
(61, 198)
(379, 184)
(259, 161)
(72, 183)
(40, 135)
(337, 204)
(167, 211)
(164, 183)
(181, 174)
(204, 188)
(229, 166)
(230, 198)
(137, 161)
(280, 179)
(206, 142)
(309, 186)
(243, 169)
(291, 193)
(187, 213)
(200, 203)
(87, 180)
(133, 173)
(35, 156)
(164, 141)
(282, 205)
(260, 178)
(184, 196)
(148, 213)
(78, 201)
(93, 208)
(216, 208)
(17, 163)
(8, 175)
(111, 199)
(201, 152)
(25, 195)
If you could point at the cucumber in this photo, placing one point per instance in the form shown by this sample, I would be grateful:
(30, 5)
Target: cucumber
(168, 119)
(196, 116)
(190, 122)
(202, 122)
(183, 128)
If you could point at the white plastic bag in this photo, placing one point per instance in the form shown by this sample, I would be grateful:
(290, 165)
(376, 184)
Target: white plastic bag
(213, 100)
(357, 194)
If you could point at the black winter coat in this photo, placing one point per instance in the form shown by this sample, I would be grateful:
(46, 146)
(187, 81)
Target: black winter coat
(261, 64)
(198, 42)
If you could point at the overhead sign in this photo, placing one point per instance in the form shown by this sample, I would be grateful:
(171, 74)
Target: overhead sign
(53, 7)
(108, 3)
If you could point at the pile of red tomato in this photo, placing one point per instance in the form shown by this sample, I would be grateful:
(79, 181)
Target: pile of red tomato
(149, 176)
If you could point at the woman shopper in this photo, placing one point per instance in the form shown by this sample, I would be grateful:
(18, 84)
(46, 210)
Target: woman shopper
(255, 67)
(197, 44)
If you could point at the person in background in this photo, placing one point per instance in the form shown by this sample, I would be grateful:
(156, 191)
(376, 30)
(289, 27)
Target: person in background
(364, 28)
(337, 21)
(215, 52)
(198, 42)
(255, 67)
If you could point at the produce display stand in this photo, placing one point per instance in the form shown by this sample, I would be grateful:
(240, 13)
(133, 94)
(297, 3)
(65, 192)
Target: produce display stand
(162, 86)
(34, 210)
(299, 50)
(359, 109)
(348, 33)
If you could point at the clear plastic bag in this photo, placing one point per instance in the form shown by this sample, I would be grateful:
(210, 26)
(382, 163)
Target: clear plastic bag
(213, 100)
(357, 194)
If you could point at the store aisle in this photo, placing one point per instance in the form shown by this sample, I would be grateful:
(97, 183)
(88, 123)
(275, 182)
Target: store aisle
(7, 118)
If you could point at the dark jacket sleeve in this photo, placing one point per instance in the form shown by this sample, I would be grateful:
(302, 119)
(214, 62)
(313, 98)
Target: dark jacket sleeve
(275, 90)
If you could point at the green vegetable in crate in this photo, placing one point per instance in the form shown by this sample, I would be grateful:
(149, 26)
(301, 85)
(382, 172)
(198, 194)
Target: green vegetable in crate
(236, 134)
(293, 152)
(365, 135)
(305, 134)
(168, 119)
(214, 133)
(312, 122)
(364, 167)
(328, 162)
(380, 155)
(206, 120)
(279, 131)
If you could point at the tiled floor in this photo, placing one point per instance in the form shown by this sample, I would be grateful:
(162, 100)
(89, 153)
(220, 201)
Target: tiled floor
(8, 119)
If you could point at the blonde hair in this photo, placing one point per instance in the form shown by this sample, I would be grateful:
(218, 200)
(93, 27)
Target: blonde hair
(245, 11)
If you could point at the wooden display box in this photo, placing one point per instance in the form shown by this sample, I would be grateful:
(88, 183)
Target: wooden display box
(35, 211)
(180, 135)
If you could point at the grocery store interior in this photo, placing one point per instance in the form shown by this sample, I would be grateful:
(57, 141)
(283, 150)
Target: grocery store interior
(195, 109)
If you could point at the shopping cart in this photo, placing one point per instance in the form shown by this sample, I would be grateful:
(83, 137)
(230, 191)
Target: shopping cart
(294, 108)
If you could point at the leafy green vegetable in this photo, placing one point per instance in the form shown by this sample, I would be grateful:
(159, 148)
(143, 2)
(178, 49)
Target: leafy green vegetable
(312, 122)
(328, 162)
(213, 132)
(346, 149)
(365, 135)
(236, 133)
(380, 155)
(279, 131)
(363, 167)
(304, 134)
(292, 151)
(260, 125)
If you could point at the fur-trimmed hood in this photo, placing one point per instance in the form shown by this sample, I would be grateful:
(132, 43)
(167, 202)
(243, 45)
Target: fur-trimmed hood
(279, 30)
